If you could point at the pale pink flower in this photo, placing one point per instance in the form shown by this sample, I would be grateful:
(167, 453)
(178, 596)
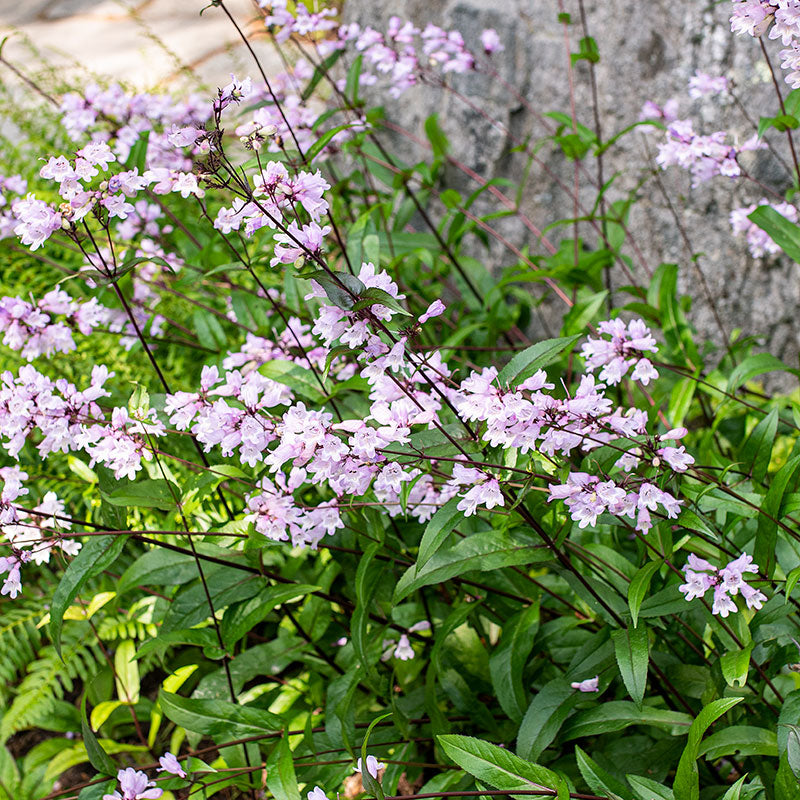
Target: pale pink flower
(588, 685)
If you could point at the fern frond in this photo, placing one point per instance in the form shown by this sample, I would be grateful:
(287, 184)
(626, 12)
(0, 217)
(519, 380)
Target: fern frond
(48, 679)
(19, 642)
(120, 627)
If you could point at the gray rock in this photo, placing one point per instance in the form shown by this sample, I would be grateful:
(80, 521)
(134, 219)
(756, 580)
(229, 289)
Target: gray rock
(22, 12)
(647, 52)
(58, 9)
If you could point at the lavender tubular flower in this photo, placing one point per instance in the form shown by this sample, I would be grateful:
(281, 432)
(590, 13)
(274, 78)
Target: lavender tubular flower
(169, 763)
(134, 785)
(373, 765)
(727, 582)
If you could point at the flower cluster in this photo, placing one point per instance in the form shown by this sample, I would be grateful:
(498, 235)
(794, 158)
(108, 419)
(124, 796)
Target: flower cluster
(214, 421)
(401, 54)
(759, 242)
(587, 497)
(782, 19)
(13, 185)
(727, 582)
(36, 220)
(530, 417)
(64, 419)
(10, 567)
(276, 193)
(753, 17)
(39, 530)
(59, 419)
(703, 156)
(135, 785)
(625, 348)
(28, 326)
(664, 114)
(701, 84)
(275, 515)
(121, 119)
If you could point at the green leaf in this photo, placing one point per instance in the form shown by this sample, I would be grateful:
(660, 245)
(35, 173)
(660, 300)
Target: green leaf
(735, 664)
(793, 750)
(202, 321)
(146, 494)
(368, 573)
(687, 777)
(688, 519)
(680, 400)
(296, 377)
(767, 530)
(616, 715)
(126, 672)
(646, 789)
(436, 136)
(588, 51)
(535, 357)
(632, 650)
(744, 740)
(225, 587)
(281, 778)
(324, 140)
(663, 293)
(199, 637)
(137, 157)
(158, 567)
(438, 529)
(102, 711)
(240, 619)
(757, 450)
(599, 780)
(320, 72)
(551, 705)
(374, 296)
(754, 365)
(97, 554)
(791, 582)
(735, 791)
(341, 288)
(218, 718)
(371, 784)
(339, 719)
(98, 757)
(581, 314)
(353, 78)
(639, 586)
(786, 784)
(784, 233)
(482, 552)
(508, 661)
(497, 767)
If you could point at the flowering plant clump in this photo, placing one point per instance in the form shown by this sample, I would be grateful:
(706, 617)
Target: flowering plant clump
(295, 497)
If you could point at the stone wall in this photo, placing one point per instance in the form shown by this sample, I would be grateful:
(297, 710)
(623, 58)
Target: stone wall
(648, 50)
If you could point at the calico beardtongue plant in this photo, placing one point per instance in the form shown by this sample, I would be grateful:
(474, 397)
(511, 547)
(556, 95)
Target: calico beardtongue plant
(289, 475)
